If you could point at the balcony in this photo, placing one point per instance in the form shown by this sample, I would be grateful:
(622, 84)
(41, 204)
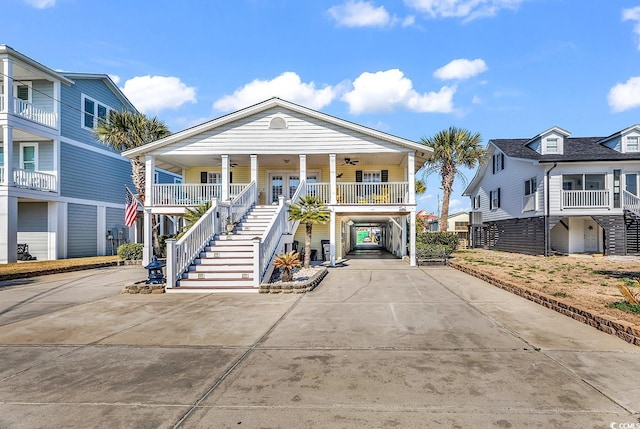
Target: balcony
(363, 193)
(28, 111)
(585, 199)
(31, 180)
(190, 194)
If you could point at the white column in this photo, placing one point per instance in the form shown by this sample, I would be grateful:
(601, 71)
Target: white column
(7, 139)
(56, 102)
(56, 163)
(147, 238)
(8, 229)
(403, 238)
(303, 167)
(412, 237)
(411, 173)
(254, 174)
(7, 71)
(333, 182)
(332, 238)
(101, 230)
(149, 170)
(225, 177)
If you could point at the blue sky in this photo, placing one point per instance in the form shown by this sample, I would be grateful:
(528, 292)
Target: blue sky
(503, 68)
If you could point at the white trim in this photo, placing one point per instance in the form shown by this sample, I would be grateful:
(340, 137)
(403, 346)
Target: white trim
(28, 84)
(95, 149)
(35, 154)
(95, 112)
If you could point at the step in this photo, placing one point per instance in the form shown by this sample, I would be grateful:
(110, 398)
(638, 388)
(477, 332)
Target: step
(230, 246)
(250, 227)
(225, 261)
(208, 268)
(222, 275)
(229, 243)
(223, 283)
(219, 289)
(226, 255)
(236, 238)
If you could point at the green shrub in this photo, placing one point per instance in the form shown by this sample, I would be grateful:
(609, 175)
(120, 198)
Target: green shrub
(426, 240)
(130, 251)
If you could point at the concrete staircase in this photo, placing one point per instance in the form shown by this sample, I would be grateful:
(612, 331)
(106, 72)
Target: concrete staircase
(226, 263)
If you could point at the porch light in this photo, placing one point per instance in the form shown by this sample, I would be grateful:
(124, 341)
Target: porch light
(155, 271)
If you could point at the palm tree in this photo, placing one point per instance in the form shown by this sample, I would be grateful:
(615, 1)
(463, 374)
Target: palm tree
(123, 130)
(192, 216)
(421, 187)
(452, 149)
(310, 210)
(286, 263)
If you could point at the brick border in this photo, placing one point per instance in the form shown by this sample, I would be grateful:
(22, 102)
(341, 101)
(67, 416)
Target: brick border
(621, 329)
(294, 287)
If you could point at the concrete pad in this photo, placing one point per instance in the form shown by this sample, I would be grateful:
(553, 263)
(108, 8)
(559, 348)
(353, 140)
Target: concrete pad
(235, 320)
(16, 359)
(88, 323)
(470, 382)
(85, 416)
(537, 325)
(375, 418)
(443, 326)
(112, 375)
(613, 374)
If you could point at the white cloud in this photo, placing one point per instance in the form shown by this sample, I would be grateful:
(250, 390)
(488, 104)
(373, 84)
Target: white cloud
(476, 100)
(409, 21)
(41, 4)
(425, 197)
(461, 69)
(360, 14)
(385, 91)
(287, 86)
(155, 93)
(633, 14)
(115, 78)
(466, 9)
(625, 96)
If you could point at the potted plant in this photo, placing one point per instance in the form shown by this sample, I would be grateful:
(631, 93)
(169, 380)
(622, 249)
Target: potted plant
(230, 226)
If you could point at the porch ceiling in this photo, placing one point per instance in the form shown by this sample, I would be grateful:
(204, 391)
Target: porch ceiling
(176, 163)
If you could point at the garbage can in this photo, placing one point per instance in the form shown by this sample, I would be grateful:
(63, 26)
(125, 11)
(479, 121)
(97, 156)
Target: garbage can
(326, 250)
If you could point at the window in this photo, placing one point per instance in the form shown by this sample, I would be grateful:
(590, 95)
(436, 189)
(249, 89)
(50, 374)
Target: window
(371, 177)
(632, 144)
(552, 145)
(498, 162)
(583, 182)
(530, 186)
(92, 112)
(476, 202)
(215, 178)
(22, 90)
(29, 156)
(177, 180)
(494, 199)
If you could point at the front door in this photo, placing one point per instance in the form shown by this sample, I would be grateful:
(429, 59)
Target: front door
(590, 236)
(284, 184)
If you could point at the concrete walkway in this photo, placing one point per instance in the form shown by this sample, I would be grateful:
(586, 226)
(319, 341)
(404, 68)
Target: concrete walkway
(378, 344)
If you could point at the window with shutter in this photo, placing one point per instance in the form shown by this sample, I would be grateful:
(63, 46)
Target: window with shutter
(384, 175)
(204, 177)
(23, 92)
(358, 175)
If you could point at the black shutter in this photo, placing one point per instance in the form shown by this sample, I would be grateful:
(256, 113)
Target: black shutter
(384, 175)
(231, 177)
(203, 177)
(493, 163)
(502, 156)
(358, 175)
(498, 198)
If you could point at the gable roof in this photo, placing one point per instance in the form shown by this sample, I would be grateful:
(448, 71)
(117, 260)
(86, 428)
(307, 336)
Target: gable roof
(620, 133)
(108, 81)
(556, 129)
(422, 152)
(8, 50)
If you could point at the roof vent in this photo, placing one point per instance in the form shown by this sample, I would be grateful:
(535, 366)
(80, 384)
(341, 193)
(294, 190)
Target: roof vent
(277, 123)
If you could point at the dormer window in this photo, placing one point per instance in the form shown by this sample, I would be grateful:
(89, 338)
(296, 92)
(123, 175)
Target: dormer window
(632, 144)
(552, 145)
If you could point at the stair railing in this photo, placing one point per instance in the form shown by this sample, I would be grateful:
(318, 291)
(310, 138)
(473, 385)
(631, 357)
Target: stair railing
(266, 248)
(241, 203)
(301, 192)
(182, 253)
(631, 202)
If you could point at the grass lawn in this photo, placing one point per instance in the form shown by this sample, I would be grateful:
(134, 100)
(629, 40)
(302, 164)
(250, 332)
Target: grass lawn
(47, 266)
(584, 281)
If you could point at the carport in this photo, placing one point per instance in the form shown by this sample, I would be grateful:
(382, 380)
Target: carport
(380, 236)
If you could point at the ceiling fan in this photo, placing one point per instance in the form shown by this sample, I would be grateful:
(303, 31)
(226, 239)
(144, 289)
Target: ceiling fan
(350, 161)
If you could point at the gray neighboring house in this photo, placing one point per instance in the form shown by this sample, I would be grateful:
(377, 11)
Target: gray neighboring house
(557, 193)
(61, 192)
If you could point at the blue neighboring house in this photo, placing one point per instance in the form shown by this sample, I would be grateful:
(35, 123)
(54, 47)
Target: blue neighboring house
(61, 191)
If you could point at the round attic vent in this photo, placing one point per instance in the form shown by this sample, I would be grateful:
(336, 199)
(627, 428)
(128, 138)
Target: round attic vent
(277, 123)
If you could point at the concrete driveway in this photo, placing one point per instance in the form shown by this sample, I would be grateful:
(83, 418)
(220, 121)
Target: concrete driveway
(377, 344)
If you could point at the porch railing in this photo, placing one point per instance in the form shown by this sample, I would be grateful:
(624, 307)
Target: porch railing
(181, 253)
(320, 190)
(373, 193)
(190, 194)
(33, 113)
(631, 202)
(585, 199)
(31, 179)
(270, 240)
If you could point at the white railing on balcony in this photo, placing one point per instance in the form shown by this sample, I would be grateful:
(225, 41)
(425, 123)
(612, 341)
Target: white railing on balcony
(181, 253)
(585, 199)
(31, 180)
(320, 190)
(529, 202)
(373, 193)
(269, 242)
(1, 103)
(184, 194)
(631, 202)
(36, 114)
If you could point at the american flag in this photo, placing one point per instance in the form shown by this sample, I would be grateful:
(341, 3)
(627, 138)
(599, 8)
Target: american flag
(130, 209)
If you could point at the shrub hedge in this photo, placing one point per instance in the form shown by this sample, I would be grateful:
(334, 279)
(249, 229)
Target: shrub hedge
(130, 251)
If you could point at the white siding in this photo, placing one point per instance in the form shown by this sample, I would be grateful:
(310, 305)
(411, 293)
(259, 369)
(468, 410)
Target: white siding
(303, 135)
(32, 228)
(511, 183)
